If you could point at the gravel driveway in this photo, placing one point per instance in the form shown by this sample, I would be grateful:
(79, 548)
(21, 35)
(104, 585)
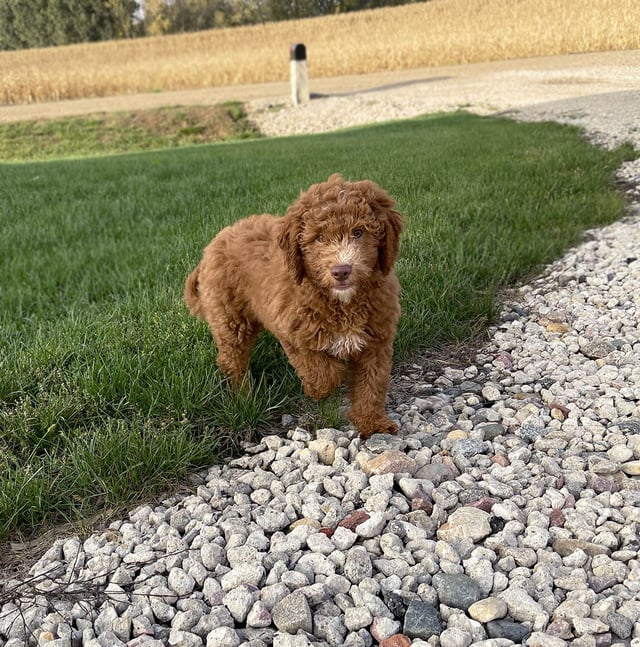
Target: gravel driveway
(506, 512)
(589, 89)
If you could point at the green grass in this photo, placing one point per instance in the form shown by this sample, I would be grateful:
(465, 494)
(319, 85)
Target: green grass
(108, 388)
(119, 132)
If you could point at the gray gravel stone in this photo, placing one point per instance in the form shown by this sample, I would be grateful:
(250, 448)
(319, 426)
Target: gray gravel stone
(357, 564)
(292, 614)
(180, 582)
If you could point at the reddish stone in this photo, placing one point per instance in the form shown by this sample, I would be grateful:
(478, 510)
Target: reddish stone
(327, 531)
(601, 484)
(560, 628)
(500, 460)
(556, 518)
(354, 519)
(486, 503)
(421, 503)
(504, 358)
(448, 461)
(397, 640)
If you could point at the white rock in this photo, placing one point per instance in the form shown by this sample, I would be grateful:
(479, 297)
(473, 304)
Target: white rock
(223, 637)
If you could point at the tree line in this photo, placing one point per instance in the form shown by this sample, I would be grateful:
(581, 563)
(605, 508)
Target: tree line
(45, 23)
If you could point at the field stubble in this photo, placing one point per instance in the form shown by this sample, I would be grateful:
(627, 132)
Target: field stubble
(440, 32)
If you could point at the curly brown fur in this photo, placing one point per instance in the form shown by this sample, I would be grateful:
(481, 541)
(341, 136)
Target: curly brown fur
(321, 279)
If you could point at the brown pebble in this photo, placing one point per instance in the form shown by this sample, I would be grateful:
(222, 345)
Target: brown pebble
(305, 521)
(559, 407)
(397, 640)
(565, 547)
(558, 327)
(448, 461)
(354, 519)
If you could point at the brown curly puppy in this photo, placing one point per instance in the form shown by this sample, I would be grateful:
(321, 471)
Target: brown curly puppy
(321, 279)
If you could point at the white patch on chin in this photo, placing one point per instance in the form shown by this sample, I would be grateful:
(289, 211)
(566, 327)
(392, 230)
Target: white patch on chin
(344, 345)
(343, 295)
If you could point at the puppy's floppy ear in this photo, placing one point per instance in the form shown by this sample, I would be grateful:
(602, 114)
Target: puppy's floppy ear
(289, 241)
(382, 205)
(393, 225)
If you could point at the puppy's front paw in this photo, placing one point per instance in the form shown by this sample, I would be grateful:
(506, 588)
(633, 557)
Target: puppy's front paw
(317, 391)
(369, 426)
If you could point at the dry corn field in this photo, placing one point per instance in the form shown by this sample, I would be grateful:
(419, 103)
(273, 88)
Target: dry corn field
(439, 32)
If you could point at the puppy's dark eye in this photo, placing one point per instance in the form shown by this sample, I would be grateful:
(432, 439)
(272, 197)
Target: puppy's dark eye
(320, 238)
(357, 233)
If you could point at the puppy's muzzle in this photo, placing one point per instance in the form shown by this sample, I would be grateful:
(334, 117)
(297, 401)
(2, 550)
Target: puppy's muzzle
(341, 273)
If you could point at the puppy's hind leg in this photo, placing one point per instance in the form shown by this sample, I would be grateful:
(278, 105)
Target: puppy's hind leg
(235, 337)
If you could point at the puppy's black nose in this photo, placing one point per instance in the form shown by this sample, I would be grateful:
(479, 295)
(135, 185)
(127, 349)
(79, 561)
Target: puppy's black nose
(341, 272)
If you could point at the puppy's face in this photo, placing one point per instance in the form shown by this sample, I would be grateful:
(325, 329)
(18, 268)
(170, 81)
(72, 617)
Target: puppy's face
(342, 236)
(340, 250)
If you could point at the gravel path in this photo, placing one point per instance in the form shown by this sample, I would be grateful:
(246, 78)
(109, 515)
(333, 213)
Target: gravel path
(506, 512)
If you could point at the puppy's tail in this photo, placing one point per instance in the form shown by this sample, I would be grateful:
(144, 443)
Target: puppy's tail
(192, 294)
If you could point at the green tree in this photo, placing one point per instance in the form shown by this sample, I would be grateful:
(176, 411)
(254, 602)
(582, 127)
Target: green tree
(43, 23)
(27, 25)
(175, 16)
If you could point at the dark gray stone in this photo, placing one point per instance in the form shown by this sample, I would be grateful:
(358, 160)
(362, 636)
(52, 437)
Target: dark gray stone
(631, 426)
(382, 442)
(398, 601)
(492, 430)
(472, 495)
(357, 565)
(456, 590)
(508, 629)
(421, 620)
(469, 387)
